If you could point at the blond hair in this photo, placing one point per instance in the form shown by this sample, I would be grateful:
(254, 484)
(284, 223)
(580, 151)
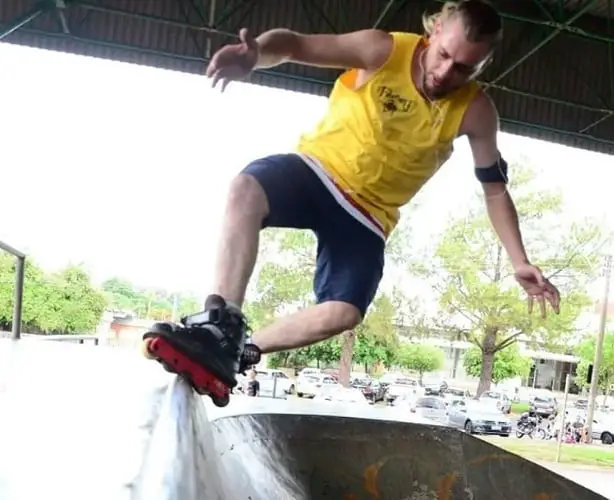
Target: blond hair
(482, 22)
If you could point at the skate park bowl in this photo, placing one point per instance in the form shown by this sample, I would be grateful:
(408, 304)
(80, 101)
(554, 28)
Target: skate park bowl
(94, 422)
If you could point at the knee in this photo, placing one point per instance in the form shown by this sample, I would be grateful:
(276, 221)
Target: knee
(342, 315)
(247, 196)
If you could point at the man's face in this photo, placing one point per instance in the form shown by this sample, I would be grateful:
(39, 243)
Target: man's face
(450, 60)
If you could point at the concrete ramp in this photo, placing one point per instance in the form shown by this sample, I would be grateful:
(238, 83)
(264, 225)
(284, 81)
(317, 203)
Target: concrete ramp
(83, 422)
(321, 457)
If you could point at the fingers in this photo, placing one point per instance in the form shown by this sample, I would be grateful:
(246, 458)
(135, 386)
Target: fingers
(551, 294)
(554, 297)
(247, 39)
(530, 302)
(221, 77)
(542, 305)
(539, 277)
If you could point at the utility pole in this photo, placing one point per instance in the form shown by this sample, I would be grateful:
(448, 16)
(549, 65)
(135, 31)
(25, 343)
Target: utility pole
(607, 273)
(175, 307)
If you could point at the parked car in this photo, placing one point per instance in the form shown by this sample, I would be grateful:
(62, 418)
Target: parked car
(603, 429)
(500, 400)
(402, 386)
(275, 382)
(431, 408)
(455, 394)
(372, 389)
(544, 406)
(313, 385)
(309, 371)
(434, 386)
(477, 417)
(343, 395)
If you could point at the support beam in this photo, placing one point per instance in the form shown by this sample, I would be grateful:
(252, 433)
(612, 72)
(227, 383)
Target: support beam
(60, 7)
(211, 22)
(390, 11)
(563, 27)
(323, 16)
(21, 21)
(563, 133)
(231, 8)
(227, 12)
(20, 266)
(383, 14)
(611, 51)
(148, 17)
(544, 42)
(544, 10)
(20, 269)
(327, 84)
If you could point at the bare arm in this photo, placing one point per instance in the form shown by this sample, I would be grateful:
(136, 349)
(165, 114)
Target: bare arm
(481, 124)
(366, 49)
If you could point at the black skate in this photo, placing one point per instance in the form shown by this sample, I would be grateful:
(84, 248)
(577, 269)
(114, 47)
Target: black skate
(206, 349)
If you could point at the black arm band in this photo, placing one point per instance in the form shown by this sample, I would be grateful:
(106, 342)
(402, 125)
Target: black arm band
(497, 172)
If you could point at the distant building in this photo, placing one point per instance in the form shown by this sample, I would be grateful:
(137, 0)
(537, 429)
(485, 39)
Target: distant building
(548, 372)
(122, 328)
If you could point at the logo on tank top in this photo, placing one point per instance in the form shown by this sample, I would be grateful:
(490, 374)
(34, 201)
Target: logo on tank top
(392, 102)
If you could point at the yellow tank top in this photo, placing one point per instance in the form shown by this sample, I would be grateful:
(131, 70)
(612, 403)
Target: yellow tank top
(381, 142)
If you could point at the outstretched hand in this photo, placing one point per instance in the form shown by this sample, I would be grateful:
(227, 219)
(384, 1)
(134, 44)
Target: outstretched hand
(538, 288)
(235, 61)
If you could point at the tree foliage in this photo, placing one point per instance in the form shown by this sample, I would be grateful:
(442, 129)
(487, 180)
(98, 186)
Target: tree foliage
(63, 302)
(377, 337)
(147, 303)
(586, 351)
(507, 363)
(284, 285)
(474, 281)
(422, 358)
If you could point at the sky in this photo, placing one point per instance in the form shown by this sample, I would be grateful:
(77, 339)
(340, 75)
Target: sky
(125, 168)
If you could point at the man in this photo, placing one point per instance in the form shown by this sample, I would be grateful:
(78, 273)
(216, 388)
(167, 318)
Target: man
(253, 386)
(392, 118)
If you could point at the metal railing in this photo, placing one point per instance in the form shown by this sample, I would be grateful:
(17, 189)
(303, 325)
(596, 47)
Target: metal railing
(20, 266)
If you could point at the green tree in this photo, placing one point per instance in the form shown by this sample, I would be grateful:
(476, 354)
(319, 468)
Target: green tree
(75, 305)
(376, 338)
(478, 295)
(586, 351)
(284, 279)
(507, 363)
(149, 303)
(422, 358)
(62, 303)
(284, 284)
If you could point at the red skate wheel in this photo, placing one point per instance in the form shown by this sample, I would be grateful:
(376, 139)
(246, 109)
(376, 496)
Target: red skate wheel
(148, 348)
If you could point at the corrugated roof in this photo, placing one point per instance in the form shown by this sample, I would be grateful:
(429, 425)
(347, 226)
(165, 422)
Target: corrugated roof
(563, 91)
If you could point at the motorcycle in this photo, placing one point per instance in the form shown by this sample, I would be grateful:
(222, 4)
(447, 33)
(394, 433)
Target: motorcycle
(528, 425)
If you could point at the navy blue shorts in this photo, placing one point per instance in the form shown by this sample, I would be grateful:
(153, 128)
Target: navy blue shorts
(350, 257)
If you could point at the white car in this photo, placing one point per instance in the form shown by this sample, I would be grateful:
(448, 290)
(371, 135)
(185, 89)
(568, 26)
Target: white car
(343, 395)
(452, 394)
(403, 386)
(314, 385)
(309, 371)
(431, 408)
(498, 400)
(603, 428)
(274, 383)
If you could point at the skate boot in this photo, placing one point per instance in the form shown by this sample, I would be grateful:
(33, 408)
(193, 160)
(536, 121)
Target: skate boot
(206, 349)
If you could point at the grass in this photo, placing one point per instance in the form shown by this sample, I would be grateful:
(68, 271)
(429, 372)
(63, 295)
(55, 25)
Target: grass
(520, 408)
(545, 451)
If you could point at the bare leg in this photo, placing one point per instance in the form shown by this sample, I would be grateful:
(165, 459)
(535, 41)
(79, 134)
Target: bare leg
(307, 327)
(246, 208)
